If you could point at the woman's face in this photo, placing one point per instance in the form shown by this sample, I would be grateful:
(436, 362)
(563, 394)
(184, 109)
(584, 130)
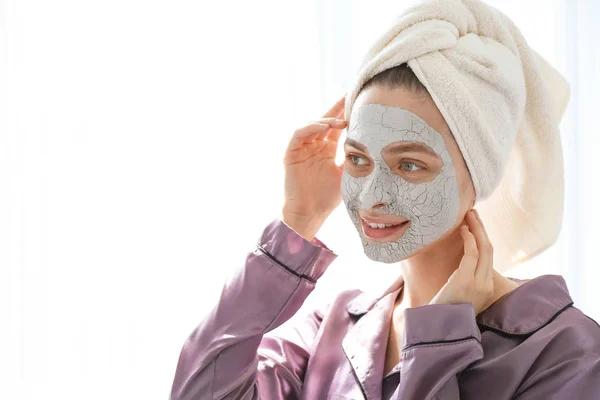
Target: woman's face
(403, 168)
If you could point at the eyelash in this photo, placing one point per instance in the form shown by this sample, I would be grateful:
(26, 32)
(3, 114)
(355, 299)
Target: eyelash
(349, 157)
(414, 163)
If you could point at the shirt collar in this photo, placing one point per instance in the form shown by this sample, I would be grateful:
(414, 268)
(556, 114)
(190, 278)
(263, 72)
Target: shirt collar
(524, 310)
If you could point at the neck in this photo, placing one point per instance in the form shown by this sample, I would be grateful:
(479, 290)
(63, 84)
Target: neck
(426, 272)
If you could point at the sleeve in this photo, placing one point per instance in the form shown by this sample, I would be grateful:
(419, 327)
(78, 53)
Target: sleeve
(440, 340)
(570, 367)
(220, 358)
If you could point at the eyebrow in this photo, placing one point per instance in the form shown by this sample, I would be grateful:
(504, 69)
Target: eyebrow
(356, 145)
(396, 148)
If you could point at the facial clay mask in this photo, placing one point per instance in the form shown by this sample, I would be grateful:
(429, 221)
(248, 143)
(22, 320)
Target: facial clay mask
(431, 206)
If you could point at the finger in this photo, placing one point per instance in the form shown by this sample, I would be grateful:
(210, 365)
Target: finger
(337, 108)
(482, 272)
(334, 124)
(336, 128)
(490, 247)
(480, 221)
(306, 134)
(335, 133)
(471, 254)
(331, 120)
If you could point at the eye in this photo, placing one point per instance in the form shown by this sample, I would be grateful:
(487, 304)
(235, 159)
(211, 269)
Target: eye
(411, 166)
(352, 157)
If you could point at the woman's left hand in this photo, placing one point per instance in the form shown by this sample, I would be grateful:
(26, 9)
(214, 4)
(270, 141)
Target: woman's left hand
(473, 280)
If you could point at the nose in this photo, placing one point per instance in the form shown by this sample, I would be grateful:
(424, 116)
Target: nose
(378, 204)
(374, 193)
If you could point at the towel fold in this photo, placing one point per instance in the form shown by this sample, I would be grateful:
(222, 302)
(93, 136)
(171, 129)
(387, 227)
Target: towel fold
(503, 103)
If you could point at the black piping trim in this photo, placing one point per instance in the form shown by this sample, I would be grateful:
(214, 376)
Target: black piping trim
(526, 334)
(276, 261)
(441, 342)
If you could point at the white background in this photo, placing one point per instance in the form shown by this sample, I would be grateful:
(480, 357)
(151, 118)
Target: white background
(140, 158)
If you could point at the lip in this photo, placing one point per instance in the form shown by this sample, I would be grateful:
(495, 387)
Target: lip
(384, 234)
(378, 220)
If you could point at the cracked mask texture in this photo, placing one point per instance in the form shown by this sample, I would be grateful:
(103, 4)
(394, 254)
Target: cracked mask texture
(432, 206)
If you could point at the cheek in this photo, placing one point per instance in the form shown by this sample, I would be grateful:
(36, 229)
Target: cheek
(438, 204)
(357, 171)
(467, 190)
(350, 187)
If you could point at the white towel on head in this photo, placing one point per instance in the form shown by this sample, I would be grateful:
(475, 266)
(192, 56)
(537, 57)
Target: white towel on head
(503, 103)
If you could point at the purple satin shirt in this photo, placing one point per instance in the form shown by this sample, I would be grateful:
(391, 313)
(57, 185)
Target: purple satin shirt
(530, 344)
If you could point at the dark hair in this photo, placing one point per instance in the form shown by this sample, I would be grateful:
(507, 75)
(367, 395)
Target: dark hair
(400, 76)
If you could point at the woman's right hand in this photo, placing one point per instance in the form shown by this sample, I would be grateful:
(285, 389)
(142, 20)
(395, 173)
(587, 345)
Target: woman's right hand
(312, 178)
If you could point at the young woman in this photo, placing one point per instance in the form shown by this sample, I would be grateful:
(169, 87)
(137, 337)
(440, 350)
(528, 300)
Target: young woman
(450, 327)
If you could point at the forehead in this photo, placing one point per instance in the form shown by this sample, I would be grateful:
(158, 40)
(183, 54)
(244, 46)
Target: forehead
(376, 126)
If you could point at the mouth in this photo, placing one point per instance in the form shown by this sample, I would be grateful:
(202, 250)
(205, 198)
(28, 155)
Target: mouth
(387, 233)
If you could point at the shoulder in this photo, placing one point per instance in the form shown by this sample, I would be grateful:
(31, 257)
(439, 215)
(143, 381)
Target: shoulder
(575, 332)
(570, 341)
(541, 312)
(568, 362)
(573, 328)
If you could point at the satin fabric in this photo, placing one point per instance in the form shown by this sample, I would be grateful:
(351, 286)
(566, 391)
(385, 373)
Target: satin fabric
(530, 344)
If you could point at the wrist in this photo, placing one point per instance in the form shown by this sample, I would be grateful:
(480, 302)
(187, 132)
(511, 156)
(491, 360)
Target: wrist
(306, 226)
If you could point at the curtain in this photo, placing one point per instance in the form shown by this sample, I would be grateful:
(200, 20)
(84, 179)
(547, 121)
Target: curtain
(141, 145)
